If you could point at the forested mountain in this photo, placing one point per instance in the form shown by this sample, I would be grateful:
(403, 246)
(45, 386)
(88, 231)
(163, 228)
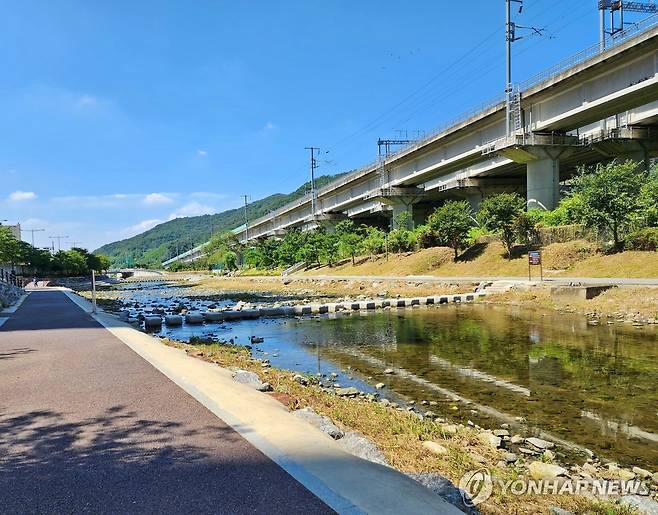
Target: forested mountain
(166, 240)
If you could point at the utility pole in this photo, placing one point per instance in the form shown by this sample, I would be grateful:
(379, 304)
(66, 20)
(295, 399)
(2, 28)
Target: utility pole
(75, 244)
(32, 231)
(510, 37)
(59, 241)
(314, 165)
(246, 218)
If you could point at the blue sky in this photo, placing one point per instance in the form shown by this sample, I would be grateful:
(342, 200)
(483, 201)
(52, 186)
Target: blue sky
(117, 115)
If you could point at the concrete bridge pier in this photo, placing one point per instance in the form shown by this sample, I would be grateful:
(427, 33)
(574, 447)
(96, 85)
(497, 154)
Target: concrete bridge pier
(543, 184)
(328, 221)
(402, 200)
(542, 172)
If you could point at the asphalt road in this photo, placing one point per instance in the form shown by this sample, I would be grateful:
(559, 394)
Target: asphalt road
(86, 425)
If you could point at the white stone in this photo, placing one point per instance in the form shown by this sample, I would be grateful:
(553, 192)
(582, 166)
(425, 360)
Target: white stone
(539, 470)
(435, 448)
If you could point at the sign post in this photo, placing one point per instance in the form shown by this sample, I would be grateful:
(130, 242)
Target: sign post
(93, 291)
(534, 259)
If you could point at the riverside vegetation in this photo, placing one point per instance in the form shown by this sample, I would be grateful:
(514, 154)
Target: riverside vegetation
(613, 206)
(417, 442)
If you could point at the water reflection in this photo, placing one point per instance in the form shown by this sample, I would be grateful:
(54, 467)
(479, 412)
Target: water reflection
(593, 386)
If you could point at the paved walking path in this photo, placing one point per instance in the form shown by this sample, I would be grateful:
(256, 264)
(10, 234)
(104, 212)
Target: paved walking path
(87, 425)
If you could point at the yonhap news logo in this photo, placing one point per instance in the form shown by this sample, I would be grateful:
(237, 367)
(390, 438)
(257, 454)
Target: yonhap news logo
(477, 486)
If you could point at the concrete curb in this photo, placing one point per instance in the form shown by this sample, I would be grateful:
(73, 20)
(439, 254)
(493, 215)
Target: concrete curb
(344, 482)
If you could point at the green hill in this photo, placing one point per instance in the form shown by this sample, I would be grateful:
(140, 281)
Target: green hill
(168, 239)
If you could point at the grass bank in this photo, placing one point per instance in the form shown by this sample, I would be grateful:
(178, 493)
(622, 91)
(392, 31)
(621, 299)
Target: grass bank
(572, 259)
(400, 435)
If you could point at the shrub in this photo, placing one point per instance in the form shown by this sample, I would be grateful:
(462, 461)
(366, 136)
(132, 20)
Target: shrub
(402, 240)
(427, 237)
(644, 239)
(475, 234)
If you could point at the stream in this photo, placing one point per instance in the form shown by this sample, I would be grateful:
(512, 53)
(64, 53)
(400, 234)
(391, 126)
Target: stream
(551, 374)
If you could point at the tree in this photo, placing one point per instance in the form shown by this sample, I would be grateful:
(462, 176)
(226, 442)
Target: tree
(499, 214)
(349, 240)
(451, 222)
(649, 199)
(403, 221)
(10, 248)
(288, 250)
(610, 196)
(374, 241)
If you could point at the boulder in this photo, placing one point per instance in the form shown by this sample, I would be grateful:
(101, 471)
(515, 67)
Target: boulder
(445, 489)
(490, 439)
(449, 428)
(539, 470)
(644, 505)
(435, 448)
(644, 474)
(323, 423)
(358, 445)
(300, 379)
(539, 443)
(250, 379)
(347, 392)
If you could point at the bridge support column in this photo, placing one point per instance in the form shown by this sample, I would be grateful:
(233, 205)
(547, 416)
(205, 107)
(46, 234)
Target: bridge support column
(401, 200)
(401, 205)
(543, 186)
(474, 200)
(640, 156)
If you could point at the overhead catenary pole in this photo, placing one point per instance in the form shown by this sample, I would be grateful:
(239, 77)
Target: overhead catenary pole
(314, 165)
(509, 35)
(32, 231)
(246, 218)
(59, 239)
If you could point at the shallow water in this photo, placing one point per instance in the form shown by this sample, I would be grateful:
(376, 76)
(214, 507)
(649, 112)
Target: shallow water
(548, 374)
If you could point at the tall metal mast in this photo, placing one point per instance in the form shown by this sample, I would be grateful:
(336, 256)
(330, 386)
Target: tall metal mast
(314, 165)
(621, 6)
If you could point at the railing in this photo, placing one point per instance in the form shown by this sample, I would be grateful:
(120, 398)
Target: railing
(589, 53)
(496, 103)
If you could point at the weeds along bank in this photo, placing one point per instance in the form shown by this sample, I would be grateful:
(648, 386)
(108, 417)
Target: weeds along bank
(429, 448)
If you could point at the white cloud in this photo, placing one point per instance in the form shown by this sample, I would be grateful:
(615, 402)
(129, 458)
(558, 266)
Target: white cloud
(202, 153)
(192, 209)
(20, 196)
(87, 101)
(140, 227)
(269, 126)
(156, 199)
